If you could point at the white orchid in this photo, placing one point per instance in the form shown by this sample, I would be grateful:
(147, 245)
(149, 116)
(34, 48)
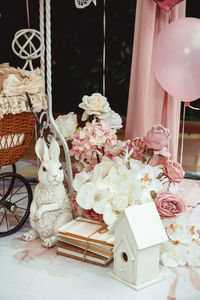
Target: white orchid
(111, 187)
(183, 246)
(80, 179)
(173, 255)
(180, 229)
(194, 253)
(114, 207)
(89, 196)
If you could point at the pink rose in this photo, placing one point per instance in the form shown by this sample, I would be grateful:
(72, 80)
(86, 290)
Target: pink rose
(138, 146)
(174, 171)
(169, 205)
(157, 138)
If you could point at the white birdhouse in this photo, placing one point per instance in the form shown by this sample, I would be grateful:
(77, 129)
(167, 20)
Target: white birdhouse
(138, 234)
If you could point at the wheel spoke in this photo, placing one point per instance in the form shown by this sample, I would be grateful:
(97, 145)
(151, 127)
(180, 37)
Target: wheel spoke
(2, 218)
(21, 208)
(6, 219)
(15, 192)
(16, 218)
(3, 187)
(20, 199)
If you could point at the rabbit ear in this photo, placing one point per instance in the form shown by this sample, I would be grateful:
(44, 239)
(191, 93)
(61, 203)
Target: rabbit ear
(54, 150)
(41, 150)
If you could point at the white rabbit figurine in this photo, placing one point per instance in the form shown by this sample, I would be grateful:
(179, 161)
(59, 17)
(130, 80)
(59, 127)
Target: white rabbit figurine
(50, 208)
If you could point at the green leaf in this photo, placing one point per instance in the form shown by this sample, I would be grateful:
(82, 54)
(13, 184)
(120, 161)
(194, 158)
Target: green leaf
(94, 70)
(153, 195)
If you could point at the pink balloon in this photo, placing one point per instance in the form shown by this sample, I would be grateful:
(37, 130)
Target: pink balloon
(176, 59)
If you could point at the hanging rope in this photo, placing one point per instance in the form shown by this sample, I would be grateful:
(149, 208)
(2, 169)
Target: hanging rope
(28, 14)
(42, 58)
(182, 137)
(194, 108)
(49, 94)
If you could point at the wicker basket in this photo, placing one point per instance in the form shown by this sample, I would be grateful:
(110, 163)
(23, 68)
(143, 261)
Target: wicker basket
(16, 132)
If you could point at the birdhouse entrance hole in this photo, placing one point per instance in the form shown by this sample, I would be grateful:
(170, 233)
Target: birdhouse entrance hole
(124, 256)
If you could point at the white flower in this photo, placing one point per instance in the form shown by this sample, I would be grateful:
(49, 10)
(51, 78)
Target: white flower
(173, 255)
(114, 207)
(67, 124)
(147, 177)
(194, 254)
(119, 202)
(89, 196)
(180, 229)
(109, 215)
(96, 104)
(80, 179)
(112, 118)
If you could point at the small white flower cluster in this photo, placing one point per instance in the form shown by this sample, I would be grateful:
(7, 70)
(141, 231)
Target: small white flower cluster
(183, 246)
(112, 186)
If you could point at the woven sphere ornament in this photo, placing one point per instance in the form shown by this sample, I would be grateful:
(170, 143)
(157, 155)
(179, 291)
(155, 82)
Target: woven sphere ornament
(28, 44)
(84, 3)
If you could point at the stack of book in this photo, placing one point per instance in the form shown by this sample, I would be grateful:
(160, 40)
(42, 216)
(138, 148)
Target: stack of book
(86, 240)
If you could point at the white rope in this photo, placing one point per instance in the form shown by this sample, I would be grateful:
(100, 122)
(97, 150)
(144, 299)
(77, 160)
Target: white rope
(42, 58)
(194, 108)
(28, 14)
(182, 138)
(104, 49)
(49, 94)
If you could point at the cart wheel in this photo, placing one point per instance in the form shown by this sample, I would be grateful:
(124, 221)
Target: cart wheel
(8, 168)
(15, 206)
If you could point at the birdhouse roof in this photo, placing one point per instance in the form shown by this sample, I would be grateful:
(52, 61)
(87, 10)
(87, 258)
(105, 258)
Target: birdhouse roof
(145, 224)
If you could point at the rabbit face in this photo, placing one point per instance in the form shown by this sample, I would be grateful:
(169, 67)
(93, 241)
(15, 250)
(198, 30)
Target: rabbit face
(50, 172)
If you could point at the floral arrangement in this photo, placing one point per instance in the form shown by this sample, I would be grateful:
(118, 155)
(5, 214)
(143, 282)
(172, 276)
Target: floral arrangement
(183, 246)
(111, 174)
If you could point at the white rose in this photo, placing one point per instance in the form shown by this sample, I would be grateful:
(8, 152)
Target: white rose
(112, 118)
(67, 124)
(96, 104)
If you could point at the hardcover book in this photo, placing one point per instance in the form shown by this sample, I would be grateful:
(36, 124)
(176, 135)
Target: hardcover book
(82, 254)
(86, 240)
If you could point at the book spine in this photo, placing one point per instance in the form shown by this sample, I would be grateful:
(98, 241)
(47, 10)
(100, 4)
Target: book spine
(84, 259)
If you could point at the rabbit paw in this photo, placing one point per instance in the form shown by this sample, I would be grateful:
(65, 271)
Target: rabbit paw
(30, 235)
(49, 242)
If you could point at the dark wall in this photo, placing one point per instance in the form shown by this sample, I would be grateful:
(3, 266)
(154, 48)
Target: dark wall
(77, 45)
(77, 40)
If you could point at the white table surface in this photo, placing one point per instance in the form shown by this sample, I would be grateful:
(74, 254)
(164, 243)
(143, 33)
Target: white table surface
(29, 271)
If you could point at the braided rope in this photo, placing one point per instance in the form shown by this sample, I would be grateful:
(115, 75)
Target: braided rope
(42, 58)
(49, 94)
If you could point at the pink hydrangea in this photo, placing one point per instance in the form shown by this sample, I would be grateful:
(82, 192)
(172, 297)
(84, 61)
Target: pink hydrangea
(93, 141)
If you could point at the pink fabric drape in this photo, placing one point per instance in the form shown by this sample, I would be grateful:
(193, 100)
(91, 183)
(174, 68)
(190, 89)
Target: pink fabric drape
(148, 103)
